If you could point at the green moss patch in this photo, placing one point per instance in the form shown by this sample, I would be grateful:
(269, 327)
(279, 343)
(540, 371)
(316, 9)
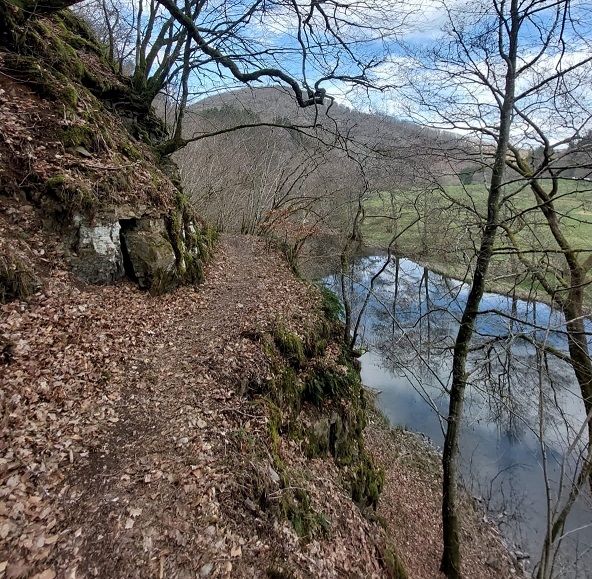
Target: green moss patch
(331, 305)
(392, 563)
(323, 383)
(290, 345)
(192, 240)
(302, 378)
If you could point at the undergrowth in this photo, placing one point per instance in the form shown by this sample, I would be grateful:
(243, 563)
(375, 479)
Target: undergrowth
(304, 379)
(17, 278)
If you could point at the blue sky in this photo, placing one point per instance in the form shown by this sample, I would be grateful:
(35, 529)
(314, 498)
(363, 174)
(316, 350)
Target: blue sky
(406, 46)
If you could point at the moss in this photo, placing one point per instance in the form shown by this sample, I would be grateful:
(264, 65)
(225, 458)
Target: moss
(66, 60)
(290, 345)
(129, 151)
(157, 182)
(55, 182)
(331, 305)
(140, 133)
(70, 96)
(366, 482)
(46, 83)
(292, 502)
(305, 521)
(91, 135)
(287, 390)
(79, 136)
(317, 338)
(77, 32)
(192, 241)
(289, 252)
(73, 198)
(337, 392)
(318, 439)
(393, 563)
(163, 282)
(42, 41)
(323, 383)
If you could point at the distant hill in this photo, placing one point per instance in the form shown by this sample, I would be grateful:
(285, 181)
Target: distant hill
(266, 168)
(272, 104)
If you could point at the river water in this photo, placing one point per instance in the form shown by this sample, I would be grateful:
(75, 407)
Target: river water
(522, 412)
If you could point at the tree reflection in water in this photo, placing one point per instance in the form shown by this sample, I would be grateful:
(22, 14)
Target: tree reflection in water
(517, 392)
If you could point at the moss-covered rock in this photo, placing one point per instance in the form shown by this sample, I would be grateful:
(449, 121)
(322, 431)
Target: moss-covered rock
(192, 240)
(328, 388)
(290, 345)
(392, 563)
(152, 259)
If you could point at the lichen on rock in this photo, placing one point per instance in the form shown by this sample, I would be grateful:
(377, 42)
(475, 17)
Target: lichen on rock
(152, 259)
(99, 258)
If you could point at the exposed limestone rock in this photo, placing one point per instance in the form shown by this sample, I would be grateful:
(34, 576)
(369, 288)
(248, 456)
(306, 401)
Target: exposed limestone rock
(152, 225)
(99, 259)
(158, 251)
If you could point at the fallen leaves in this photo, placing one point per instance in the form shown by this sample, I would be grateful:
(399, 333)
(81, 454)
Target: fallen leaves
(412, 494)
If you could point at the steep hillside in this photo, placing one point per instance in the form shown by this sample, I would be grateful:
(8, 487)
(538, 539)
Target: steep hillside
(76, 158)
(312, 168)
(277, 104)
(191, 434)
(179, 435)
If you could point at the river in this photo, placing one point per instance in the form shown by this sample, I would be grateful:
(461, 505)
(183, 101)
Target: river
(522, 411)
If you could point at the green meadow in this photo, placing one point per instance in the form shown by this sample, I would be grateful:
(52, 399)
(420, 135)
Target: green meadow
(440, 227)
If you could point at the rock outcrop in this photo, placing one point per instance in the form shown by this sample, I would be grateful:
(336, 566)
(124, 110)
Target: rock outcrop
(94, 179)
(98, 254)
(149, 253)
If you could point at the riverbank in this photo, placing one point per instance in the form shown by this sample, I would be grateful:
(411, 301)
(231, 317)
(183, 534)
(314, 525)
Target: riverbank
(320, 259)
(502, 283)
(497, 285)
(411, 506)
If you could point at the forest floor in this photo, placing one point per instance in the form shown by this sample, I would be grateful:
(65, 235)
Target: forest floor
(128, 445)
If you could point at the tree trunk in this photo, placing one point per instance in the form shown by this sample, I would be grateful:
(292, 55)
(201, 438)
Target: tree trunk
(450, 564)
(578, 345)
(451, 559)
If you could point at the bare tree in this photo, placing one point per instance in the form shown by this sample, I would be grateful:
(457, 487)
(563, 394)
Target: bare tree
(188, 49)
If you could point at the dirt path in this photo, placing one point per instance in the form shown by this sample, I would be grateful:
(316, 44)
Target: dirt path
(160, 478)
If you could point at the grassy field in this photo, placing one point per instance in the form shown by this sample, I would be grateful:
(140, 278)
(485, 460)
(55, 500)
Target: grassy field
(441, 228)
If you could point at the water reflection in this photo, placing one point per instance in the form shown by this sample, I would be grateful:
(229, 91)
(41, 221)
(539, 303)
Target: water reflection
(517, 392)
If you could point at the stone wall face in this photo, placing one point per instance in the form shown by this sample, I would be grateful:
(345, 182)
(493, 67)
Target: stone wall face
(99, 257)
(153, 250)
